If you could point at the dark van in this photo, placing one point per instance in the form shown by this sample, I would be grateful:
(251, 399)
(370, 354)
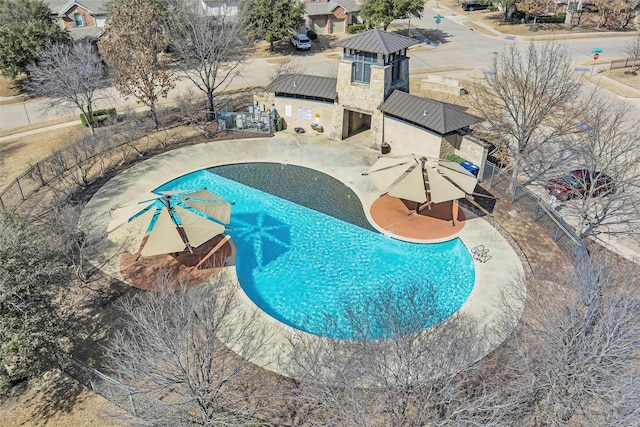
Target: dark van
(470, 6)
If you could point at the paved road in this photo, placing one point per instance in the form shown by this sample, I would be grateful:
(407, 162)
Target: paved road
(463, 48)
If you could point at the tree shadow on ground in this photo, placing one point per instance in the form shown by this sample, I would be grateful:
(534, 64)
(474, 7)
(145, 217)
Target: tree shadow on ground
(433, 36)
(55, 394)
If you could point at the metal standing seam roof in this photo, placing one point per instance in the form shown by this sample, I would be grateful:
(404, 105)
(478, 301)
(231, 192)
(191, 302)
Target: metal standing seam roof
(304, 85)
(436, 116)
(377, 41)
(325, 8)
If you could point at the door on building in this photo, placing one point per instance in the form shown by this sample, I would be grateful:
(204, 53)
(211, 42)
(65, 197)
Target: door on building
(356, 123)
(337, 27)
(320, 25)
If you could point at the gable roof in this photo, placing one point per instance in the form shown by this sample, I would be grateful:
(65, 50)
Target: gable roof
(326, 8)
(376, 41)
(437, 116)
(304, 85)
(60, 7)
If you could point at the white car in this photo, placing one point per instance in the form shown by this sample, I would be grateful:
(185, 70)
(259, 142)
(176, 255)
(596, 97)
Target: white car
(300, 41)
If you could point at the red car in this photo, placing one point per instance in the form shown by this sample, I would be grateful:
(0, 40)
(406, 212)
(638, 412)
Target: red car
(579, 182)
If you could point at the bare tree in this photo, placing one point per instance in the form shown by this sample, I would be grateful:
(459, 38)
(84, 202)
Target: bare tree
(210, 49)
(614, 13)
(132, 44)
(77, 165)
(194, 112)
(574, 357)
(283, 68)
(607, 145)
(523, 102)
(69, 77)
(633, 50)
(536, 8)
(414, 376)
(176, 346)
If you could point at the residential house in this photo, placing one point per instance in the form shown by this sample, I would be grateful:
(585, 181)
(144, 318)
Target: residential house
(83, 19)
(332, 17)
(220, 7)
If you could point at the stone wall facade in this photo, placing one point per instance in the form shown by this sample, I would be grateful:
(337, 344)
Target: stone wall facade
(361, 98)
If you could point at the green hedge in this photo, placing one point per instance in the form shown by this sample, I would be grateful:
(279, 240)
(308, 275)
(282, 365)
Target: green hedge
(493, 8)
(558, 18)
(99, 116)
(312, 34)
(354, 28)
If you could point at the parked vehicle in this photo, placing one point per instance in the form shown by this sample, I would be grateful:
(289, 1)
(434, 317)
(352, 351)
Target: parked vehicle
(470, 6)
(300, 42)
(578, 183)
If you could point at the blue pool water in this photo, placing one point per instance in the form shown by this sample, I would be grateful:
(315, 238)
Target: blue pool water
(329, 277)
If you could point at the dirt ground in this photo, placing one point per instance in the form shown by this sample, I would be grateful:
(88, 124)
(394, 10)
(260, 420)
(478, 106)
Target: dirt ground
(19, 154)
(59, 401)
(8, 87)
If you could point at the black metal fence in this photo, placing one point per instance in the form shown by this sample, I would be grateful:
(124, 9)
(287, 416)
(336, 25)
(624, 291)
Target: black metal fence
(83, 161)
(624, 63)
(543, 213)
(69, 160)
(149, 408)
(126, 398)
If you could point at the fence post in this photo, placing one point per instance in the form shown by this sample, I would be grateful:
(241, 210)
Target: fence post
(515, 191)
(557, 236)
(493, 172)
(39, 172)
(93, 386)
(20, 189)
(133, 405)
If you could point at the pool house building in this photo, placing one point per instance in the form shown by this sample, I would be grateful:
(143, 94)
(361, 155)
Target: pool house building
(370, 98)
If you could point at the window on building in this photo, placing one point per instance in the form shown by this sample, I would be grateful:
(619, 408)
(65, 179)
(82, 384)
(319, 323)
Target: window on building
(396, 61)
(361, 71)
(78, 20)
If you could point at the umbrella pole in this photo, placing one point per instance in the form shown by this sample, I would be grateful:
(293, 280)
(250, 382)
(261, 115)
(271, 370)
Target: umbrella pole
(215, 249)
(166, 199)
(185, 239)
(454, 212)
(423, 162)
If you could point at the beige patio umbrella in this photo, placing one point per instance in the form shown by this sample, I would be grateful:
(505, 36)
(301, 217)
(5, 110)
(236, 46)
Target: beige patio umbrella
(181, 220)
(421, 180)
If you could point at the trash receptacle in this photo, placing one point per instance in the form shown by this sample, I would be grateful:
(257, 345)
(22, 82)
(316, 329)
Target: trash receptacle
(470, 167)
(385, 148)
(279, 123)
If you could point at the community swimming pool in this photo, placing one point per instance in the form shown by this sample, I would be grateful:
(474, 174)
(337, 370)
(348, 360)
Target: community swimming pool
(321, 268)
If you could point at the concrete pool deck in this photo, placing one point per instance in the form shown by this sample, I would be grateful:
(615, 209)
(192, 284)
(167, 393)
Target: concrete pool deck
(104, 217)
